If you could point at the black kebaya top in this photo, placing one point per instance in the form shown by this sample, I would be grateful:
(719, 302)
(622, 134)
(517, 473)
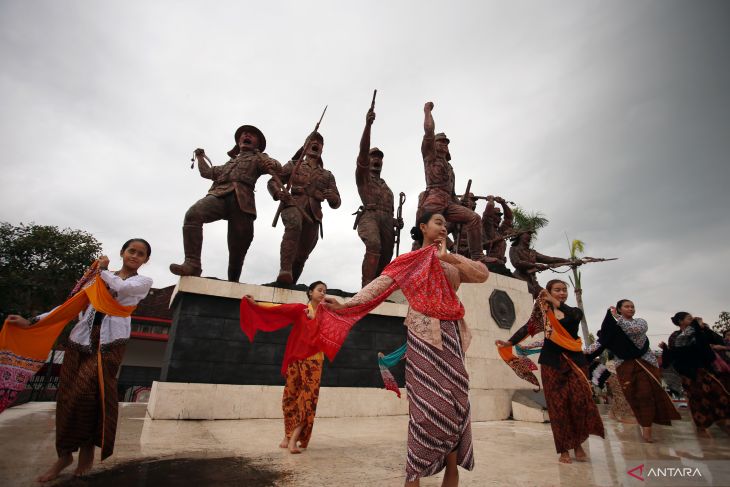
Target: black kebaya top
(551, 352)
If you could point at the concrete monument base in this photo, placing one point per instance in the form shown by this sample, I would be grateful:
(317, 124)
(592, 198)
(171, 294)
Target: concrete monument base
(212, 372)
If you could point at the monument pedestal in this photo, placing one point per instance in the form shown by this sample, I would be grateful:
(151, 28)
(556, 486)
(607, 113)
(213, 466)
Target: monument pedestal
(211, 371)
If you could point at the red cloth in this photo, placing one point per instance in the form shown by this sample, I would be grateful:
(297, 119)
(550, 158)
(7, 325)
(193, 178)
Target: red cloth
(302, 342)
(421, 278)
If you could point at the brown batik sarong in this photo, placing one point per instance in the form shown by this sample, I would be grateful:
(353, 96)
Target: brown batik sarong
(438, 398)
(709, 397)
(619, 405)
(301, 393)
(569, 398)
(647, 398)
(80, 418)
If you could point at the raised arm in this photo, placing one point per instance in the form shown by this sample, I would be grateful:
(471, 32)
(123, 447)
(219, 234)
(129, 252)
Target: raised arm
(429, 129)
(507, 216)
(486, 223)
(470, 271)
(206, 170)
(363, 157)
(133, 286)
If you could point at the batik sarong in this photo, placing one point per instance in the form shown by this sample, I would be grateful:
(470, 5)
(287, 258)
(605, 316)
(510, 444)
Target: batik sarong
(301, 393)
(708, 396)
(619, 406)
(648, 400)
(569, 398)
(87, 403)
(438, 396)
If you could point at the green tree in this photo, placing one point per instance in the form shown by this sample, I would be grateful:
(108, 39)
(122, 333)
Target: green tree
(39, 265)
(723, 323)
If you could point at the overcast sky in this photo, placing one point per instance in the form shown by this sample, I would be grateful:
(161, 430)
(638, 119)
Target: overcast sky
(611, 118)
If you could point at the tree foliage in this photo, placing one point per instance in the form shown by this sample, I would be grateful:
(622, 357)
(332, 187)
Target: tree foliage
(577, 247)
(723, 323)
(528, 220)
(39, 265)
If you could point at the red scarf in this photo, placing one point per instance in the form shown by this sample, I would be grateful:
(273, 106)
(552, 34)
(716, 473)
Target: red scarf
(302, 342)
(421, 278)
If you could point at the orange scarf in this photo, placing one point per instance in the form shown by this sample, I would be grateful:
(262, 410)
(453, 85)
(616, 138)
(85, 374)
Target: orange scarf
(559, 335)
(24, 350)
(542, 318)
(35, 342)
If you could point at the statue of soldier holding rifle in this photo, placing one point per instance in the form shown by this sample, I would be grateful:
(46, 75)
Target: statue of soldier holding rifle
(374, 221)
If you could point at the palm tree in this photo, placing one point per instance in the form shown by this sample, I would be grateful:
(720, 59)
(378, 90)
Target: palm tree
(577, 247)
(528, 221)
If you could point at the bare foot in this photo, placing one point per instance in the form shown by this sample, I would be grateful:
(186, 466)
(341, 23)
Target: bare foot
(646, 434)
(703, 433)
(284, 443)
(565, 458)
(86, 460)
(294, 440)
(52, 473)
(580, 455)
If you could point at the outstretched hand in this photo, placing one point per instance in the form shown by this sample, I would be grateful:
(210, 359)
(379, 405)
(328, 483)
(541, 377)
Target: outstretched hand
(17, 320)
(332, 303)
(250, 299)
(103, 262)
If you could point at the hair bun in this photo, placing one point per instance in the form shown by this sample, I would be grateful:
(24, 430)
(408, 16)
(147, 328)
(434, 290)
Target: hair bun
(416, 234)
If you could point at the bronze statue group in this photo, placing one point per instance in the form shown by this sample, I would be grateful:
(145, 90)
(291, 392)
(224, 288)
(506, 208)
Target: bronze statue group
(437, 382)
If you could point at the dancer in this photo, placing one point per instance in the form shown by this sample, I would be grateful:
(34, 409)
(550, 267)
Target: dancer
(636, 366)
(691, 352)
(564, 371)
(439, 426)
(303, 359)
(87, 404)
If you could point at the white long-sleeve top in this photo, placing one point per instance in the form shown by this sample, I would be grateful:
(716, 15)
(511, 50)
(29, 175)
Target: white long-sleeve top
(127, 292)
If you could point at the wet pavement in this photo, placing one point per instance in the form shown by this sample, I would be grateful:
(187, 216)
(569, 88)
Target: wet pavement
(231, 471)
(354, 451)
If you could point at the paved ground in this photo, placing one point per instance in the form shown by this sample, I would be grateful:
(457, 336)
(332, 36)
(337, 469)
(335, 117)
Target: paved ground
(353, 451)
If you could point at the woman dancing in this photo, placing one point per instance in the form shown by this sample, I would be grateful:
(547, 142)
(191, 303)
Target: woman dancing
(692, 353)
(564, 371)
(87, 403)
(636, 367)
(303, 359)
(439, 426)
